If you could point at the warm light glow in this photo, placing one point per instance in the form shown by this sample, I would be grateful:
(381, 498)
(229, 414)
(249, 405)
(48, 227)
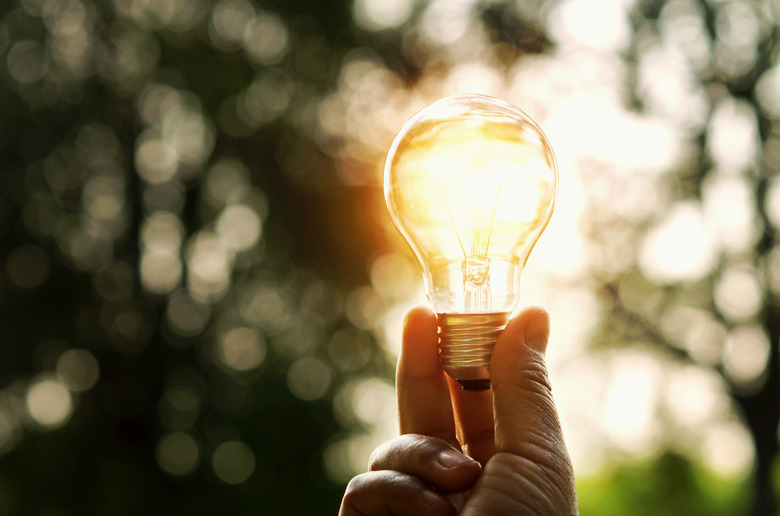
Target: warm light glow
(360, 403)
(738, 293)
(471, 182)
(628, 405)
(372, 402)
(695, 330)
(695, 396)
(381, 14)
(681, 247)
(768, 91)
(601, 25)
(733, 135)
(730, 209)
(393, 276)
(773, 202)
(745, 355)
(365, 307)
(738, 30)
(728, 450)
(664, 117)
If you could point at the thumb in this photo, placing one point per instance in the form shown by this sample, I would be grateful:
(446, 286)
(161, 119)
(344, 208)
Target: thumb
(525, 414)
(531, 473)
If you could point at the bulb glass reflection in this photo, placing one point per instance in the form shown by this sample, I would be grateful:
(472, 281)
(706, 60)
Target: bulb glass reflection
(470, 181)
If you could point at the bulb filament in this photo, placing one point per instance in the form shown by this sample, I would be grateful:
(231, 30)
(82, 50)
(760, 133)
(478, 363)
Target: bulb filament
(476, 267)
(492, 220)
(452, 221)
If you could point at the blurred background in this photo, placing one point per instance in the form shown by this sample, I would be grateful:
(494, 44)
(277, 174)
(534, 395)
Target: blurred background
(201, 291)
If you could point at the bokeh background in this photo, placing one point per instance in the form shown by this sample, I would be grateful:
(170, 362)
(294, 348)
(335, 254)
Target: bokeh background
(201, 291)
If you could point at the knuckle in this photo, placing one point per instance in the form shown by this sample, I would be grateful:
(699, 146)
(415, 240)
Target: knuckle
(353, 490)
(535, 375)
(357, 483)
(378, 459)
(425, 447)
(405, 452)
(531, 378)
(355, 494)
(550, 486)
(536, 380)
(390, 454)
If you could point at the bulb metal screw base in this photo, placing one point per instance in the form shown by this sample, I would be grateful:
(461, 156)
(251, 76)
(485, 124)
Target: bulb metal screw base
(466, 345)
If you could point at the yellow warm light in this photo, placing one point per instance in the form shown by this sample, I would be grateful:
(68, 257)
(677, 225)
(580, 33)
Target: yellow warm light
(471, 179)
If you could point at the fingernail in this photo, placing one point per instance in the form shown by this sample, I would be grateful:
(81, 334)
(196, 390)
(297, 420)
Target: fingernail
(432, 499)
(452, 459)
(538, 331)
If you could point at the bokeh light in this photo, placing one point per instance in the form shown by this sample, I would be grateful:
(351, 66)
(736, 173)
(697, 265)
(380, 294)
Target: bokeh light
(201, 290)
(77, 369)
(381, 14)
(309, 378)
(233, 462)
(28, 267)
(178, 453)
(242, 349)
(49, 403)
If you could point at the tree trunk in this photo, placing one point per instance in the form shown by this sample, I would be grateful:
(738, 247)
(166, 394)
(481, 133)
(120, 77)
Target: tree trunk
(762, 414)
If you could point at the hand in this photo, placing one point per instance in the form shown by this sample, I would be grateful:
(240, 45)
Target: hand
(512, 431)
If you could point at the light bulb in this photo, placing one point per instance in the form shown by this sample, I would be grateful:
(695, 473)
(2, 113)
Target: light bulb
(470, 181)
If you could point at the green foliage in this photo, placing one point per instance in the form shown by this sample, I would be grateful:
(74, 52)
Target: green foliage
(669, 485)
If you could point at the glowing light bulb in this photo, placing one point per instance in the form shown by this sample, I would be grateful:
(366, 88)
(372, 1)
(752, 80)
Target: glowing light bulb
(470, 181)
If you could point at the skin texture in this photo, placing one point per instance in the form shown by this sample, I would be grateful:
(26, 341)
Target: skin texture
(497, 452)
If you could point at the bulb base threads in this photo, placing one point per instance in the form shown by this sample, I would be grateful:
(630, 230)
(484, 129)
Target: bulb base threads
(466, 345)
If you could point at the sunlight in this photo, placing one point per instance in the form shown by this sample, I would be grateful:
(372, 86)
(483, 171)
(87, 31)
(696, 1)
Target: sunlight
(630, 399)
(681, 247)
(600, 25)
(381, 14)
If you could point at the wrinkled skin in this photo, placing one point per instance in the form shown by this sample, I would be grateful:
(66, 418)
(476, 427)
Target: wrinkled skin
(497, 452)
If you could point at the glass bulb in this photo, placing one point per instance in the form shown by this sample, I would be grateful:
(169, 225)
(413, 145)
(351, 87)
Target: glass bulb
(470, 181)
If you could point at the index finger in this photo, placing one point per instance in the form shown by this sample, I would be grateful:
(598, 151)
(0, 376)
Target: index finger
(424, 404)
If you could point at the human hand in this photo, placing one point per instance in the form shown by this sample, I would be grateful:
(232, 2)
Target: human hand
(513, 431)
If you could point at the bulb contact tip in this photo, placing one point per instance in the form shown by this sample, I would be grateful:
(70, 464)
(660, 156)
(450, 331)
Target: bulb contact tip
(475, 385)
